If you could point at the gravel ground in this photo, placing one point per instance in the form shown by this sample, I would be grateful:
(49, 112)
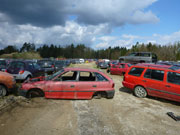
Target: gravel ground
(125, 114)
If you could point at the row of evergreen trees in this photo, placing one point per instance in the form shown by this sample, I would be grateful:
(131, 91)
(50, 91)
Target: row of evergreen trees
(166, 52)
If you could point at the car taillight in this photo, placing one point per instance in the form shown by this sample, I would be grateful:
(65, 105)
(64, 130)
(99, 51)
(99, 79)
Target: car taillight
(21, 72)
(113, 85)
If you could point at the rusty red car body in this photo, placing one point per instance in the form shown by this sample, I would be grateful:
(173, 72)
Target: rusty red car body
(71, 83)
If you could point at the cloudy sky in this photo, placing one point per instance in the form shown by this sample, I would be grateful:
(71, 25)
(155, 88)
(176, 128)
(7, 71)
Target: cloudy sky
(95, 23)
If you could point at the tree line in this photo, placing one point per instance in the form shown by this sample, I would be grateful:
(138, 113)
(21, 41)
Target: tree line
(169, 52)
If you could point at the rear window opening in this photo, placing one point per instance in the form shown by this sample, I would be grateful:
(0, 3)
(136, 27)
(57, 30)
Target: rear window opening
(86, 76)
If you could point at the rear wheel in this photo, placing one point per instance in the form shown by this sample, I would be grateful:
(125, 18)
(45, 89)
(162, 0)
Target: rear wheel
(3, 91)
(140, 92)
(35, 93)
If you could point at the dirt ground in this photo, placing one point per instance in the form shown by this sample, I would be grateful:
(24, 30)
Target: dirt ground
(125, 114)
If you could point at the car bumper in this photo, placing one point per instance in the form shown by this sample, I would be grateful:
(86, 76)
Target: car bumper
(128, 85)
(19, 76)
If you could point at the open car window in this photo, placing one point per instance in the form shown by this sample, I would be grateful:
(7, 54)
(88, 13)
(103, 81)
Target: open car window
(55, 74)
(86, 76)
(67, 76)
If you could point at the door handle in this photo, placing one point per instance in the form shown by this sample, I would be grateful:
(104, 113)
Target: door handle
(168, 86)
(144, 80)
(94, 85)
(72, 86)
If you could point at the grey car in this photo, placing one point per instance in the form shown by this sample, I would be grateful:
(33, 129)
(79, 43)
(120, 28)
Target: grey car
(139, 57)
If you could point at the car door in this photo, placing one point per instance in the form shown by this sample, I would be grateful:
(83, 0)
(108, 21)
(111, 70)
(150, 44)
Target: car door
(121, 69)
(87, 85)
(69, 84)
(53, 89)
(154, 82)
(113, 69)
(173, 86)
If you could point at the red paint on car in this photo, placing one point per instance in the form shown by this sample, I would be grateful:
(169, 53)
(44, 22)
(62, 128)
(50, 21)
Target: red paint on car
(72, 83)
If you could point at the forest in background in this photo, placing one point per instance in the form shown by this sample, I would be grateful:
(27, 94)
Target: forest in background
(169, 52)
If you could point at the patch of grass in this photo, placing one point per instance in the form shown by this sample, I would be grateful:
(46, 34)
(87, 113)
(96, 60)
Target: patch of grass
(24, 55)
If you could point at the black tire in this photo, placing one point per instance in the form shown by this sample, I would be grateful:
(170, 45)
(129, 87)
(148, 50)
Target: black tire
(35, 93)
(140, 92)
(3, 90)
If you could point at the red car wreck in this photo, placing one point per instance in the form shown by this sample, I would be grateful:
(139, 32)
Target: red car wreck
(70, 83)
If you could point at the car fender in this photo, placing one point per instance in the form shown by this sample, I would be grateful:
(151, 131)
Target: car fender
(27, 73)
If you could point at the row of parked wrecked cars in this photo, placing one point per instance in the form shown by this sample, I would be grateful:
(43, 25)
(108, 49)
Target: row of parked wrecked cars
(43, 77)
(159, 79)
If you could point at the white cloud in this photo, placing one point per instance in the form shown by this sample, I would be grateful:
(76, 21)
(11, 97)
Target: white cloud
(129, 40)
(114, 12)
(72, 32)
(50, 23)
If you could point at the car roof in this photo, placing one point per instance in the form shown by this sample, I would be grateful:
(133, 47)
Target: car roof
(87, 70)
(164, 67)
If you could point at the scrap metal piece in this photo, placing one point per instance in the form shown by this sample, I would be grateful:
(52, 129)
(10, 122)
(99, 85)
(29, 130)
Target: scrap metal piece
(171, 114)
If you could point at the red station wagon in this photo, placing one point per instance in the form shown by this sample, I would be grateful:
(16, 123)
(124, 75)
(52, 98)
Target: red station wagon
(70, 83)
(119, 69)
(154, 80)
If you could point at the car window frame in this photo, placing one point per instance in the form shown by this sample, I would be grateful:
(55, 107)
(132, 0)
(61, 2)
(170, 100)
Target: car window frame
(171, 82)
(137, 75)
(78, 76)
(151, 76)
(95, 73)
(56, 78)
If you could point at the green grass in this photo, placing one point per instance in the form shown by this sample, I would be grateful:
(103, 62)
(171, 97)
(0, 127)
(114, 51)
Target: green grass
(24, 55)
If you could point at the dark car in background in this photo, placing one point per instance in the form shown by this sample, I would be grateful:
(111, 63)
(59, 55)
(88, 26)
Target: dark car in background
(59, 64)
(3, 65)
(47, 65)
(24, 70)
(103, 65)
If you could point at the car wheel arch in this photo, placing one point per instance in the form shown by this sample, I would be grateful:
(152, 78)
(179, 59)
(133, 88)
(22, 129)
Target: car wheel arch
(38, 91)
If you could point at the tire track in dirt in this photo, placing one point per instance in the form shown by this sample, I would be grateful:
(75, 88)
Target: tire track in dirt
(89, 123)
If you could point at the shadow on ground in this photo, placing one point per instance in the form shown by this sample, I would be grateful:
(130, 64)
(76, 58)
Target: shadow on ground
(126, 90)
